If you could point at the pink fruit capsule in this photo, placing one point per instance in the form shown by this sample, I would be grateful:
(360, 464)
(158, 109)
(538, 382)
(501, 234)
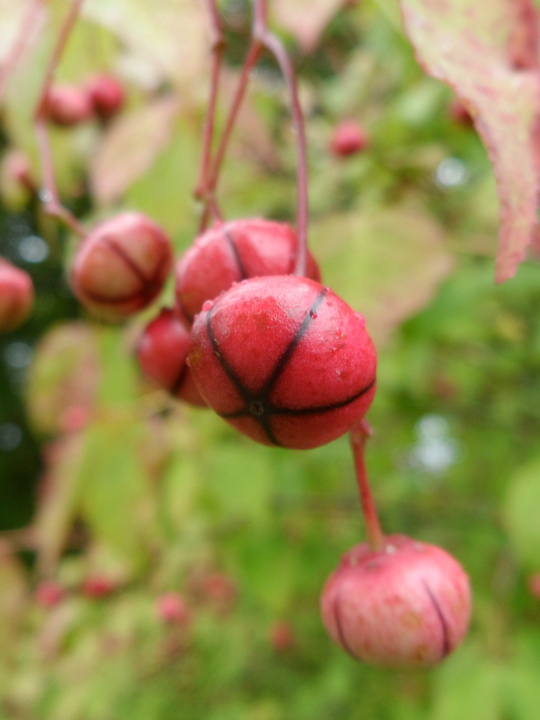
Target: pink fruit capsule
(121, 266)
(106, 95)
(16, 296)
(231, 252)
(162, 352)
(284, 360)
(407, 605)
(68, 105)
(348, 138)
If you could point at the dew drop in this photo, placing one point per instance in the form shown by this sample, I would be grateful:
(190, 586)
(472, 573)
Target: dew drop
(312, 315)
(207, 305)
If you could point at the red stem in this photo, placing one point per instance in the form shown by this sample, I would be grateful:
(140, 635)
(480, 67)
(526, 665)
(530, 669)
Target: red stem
(358, 436)
(49, 195)
(29, 25)
(202, 188)
(276, 48)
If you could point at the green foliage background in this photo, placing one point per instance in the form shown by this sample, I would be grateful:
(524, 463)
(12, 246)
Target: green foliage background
(158, 496)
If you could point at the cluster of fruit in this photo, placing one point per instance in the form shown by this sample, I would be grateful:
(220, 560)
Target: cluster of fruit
(256, 336)
(100, 97)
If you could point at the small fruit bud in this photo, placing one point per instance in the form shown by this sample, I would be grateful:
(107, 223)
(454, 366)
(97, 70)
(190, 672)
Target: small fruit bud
(16, 296)
(230, 252)
(121, 266)
(49, 593)
(162, 351)
(99, 586)
(407, 605)
(281, 636)
(348, 139)
(68, 105)
(106, 95)
(284, 360)
(171, 608)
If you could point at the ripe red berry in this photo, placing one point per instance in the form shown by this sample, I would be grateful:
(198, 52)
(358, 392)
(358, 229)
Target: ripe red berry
(348, 138)
(106, 94)
(171, 608)
(121, 266)
(16, 296)
(49, 593)
(284, 360)
(281, 636)
(162, 352)
(67, 105)
(407, 605)
(233, 251)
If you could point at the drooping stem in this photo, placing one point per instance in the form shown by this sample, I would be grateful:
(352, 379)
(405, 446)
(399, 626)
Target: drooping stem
(269, 41)
(358, 436)
(31, 22)
(49, 195)
(202, 190)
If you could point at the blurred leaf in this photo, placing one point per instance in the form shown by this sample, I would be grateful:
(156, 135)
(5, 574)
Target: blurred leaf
(387, 265)
(466, 45)
(306, 19)
(64, 375)
(521, 513)
(130, 147)
(171, 37)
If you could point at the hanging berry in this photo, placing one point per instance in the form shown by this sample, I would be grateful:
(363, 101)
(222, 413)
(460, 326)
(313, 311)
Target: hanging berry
(16, 296)
(284, 360)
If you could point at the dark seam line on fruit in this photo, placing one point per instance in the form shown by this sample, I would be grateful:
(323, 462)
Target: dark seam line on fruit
(225, 365)
(281, 364)
(129, 262)
(321, 408)
(179, 379)
(442, 620)
(234, 250)
(341, 634)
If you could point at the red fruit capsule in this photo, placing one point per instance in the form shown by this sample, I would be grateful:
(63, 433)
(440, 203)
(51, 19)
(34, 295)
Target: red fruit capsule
(348, 138)
(121, 266)
(231, 252)
(284, 360)
(162, 352)
(106, 95)
(67, 105)
(407, 605)
(16, 296)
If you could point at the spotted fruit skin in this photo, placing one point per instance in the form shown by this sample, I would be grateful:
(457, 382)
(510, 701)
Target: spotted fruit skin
(162, 352)
(405, 606)
(106, 94)
(121, 266)
(68, 105)
(233, 251)
(16, 296)
(284, 360)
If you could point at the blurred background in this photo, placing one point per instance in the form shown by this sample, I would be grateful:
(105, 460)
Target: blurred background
(156, 565)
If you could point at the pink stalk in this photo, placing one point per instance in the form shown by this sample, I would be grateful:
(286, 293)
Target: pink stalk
(202, 191)
(262, 38)
(358, 437)
(49, 195)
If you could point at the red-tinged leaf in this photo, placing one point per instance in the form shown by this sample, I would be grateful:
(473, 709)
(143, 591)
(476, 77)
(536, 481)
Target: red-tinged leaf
(472, 47)
(130, 147)
(306, 19)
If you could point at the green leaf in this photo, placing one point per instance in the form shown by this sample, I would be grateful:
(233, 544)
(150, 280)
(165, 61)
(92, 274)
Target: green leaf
(521, 513)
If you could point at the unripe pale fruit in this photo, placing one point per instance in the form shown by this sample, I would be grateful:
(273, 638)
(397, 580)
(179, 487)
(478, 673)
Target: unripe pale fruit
(106, 95)
(284, 360)
(67, 105)
(348, 138)
(234, 251)
(162, 352)
(16, 296)
(121, 266)
(407, 605)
